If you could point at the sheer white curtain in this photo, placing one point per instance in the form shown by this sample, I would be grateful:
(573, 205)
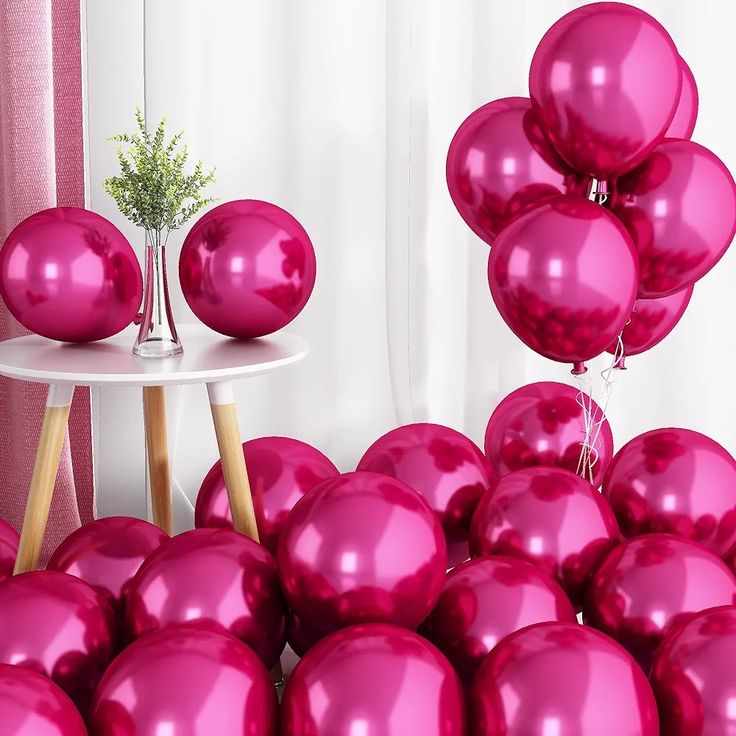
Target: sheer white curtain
(341, 111)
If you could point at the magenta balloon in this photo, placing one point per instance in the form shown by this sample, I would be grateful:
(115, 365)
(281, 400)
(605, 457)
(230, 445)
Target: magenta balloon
(543, 424)
(564, 278)
(185, 681)
(58, 626)
(247, 268)
(8, 549)
(483, 601)
(650, 584)
(679, 207)
(70, 274)
(361, 548)
(31, 705)
(677, 481)
(683, 124)
(280, 470)
(499, 163)
(215, 578)
(561, 678)
(373, 679)
(605, 82)
(550, 517)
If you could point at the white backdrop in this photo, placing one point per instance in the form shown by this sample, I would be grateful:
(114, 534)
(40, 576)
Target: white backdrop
(341, 111)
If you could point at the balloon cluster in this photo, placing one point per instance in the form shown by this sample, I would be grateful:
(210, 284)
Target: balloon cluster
(608, 122)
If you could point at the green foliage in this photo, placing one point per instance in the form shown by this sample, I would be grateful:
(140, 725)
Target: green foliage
(153, 190)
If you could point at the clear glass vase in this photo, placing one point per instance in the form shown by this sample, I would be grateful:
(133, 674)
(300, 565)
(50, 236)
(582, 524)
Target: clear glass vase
(157, 336)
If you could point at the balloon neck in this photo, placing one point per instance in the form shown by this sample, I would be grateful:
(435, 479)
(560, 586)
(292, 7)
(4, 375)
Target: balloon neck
(578, 368)
(598, 191)
(621, 363)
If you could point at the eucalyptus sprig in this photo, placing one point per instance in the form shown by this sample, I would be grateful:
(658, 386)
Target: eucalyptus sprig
(152, 190)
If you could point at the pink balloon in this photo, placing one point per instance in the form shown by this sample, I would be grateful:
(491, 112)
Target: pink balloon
(483, 601)
(561, 678)
(107, 553)
(679, 207)
(444, 466)
(543, 424)
(58, 626)
(215, 578)
(247, 268)
(551, 518)
(564, 277)
(605, 81)
(361, 548)
(280, 470)
(683, 124)
(8, 549)
(69, 274)
(185, 681)
(677, 481)
(499, 163)
(649, 585)
(31, 705)
(373, 679)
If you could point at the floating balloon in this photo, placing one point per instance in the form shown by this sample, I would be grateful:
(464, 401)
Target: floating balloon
(8, 549)
(561, 678)
(185, 681)
(70, 274)
(683, 124)
(551, 518)
(361, 548)
(650, 584)
(605, 81)
(373, 679)
(280, 470)
(215, 578)
(544, 424)
(564, 278)
(247, 268)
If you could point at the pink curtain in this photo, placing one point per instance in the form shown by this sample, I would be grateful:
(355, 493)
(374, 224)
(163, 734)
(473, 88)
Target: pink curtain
(41, 165)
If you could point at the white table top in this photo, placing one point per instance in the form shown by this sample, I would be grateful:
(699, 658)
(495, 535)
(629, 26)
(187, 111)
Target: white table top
(208, 357)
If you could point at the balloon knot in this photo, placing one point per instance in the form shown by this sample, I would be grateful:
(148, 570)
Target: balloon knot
(578, 368)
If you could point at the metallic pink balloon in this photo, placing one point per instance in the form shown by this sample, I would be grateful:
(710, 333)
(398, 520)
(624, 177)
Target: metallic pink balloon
(543, 424)
(58, 626)
(605, 82)
(107, 553)
(652, 583)
(373, 679)
(550, 517)
(216, 578)
(561, 678)
(192, 682)
(677, 481)
(247, 268)
(683, 124)
(694, 675)
(564, 278)
(8, 549)
(679, 207)
(500, 163)
(70, 274)
(361, 548)
(484, 600)
(31, 705)
(280, 470)
(444, 466)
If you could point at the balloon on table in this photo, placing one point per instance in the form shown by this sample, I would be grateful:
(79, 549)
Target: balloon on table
(69, 274)
(564, 278)
(216, 578)
(247, 268)
(683, 124)
(373, 679)
(280, 470)
(9, 540)
(185, 681)
(561, 678)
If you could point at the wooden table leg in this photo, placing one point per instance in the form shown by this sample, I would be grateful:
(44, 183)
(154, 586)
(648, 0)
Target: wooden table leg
(41, 491)
(157, 449)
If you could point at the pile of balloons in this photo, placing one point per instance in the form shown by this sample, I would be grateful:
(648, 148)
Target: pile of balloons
(608, 122)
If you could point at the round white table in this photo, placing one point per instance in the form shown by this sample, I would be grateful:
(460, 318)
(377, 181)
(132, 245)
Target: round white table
(208, 358)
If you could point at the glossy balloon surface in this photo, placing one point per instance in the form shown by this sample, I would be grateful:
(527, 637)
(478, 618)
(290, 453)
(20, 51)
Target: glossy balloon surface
(280, 470)
(373, 679)
(247, 268)
(70, 274)
(215, 578)
(8, 549)
(683, 124)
